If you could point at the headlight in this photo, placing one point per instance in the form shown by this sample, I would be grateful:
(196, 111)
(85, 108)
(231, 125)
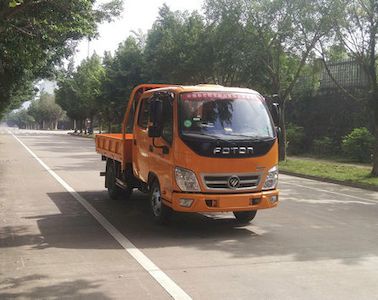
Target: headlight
(186, 180)
(271, 179)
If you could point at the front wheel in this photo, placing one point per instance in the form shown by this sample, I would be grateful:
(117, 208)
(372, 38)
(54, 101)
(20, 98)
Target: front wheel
(244, 217)
(160, 212)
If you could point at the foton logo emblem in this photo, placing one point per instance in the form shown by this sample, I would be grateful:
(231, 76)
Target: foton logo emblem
(233, 150)
(234, 182)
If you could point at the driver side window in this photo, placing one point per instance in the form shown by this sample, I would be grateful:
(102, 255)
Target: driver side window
(167, 129)
(144, 113)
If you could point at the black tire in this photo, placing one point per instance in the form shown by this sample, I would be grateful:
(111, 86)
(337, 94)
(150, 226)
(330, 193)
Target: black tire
(126, 193)
(244, 217)
(160, 212)
(114, 190)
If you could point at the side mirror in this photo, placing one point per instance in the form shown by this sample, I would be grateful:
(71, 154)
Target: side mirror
(156, 111)
(156, 118)
(276, 114)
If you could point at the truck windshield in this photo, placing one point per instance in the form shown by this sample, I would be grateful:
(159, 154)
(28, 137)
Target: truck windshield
(225, 115)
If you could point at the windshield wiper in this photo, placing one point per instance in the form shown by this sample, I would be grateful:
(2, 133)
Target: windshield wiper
(254, 138)
(214, 137)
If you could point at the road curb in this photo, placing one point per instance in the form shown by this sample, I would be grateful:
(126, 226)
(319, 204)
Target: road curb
(346, 183)
(80, 135)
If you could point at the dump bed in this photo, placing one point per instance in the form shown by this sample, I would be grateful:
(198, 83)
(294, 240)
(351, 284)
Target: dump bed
(117, 146)
(112, 145)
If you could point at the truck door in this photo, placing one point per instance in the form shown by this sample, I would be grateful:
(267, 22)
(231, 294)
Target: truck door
(141, 145)
(161, 158)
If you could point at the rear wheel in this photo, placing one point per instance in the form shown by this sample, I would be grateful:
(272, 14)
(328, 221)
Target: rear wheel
(114, 190)
(160, 212)
(244, 217)
(127, 192)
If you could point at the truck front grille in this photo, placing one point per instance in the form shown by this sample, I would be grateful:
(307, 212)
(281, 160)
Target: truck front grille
(221, 182)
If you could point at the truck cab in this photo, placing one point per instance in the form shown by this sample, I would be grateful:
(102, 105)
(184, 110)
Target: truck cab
(204, 148)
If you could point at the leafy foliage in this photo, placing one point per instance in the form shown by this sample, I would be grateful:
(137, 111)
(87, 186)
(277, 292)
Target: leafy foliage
(122, 72)
(78, 91)
(45, 111)
(357, 33)
(324, 146)
(20, 118)
(359, 144)
(269, 45)
(295, 139)
(35, 35)
(280, 38)
(177, 48)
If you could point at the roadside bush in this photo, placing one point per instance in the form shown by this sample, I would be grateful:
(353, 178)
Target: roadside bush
(358, 144)
(323, 146)
(295, 137)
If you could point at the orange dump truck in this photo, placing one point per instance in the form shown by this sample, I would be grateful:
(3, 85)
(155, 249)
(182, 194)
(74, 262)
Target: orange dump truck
(203, 148)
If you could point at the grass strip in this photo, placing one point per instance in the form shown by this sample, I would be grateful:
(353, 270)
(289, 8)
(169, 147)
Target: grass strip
(330, 170)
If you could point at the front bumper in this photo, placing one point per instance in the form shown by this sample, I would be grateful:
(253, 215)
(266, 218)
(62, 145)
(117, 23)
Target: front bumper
(226, 202)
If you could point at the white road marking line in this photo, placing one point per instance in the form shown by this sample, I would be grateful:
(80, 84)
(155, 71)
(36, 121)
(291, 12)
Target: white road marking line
(329, 192)
(167, 283)
(257, 230)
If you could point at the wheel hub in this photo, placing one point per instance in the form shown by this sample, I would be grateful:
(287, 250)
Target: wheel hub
(156, 202)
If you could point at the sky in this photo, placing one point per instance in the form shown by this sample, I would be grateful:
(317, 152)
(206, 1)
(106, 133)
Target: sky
(137, 14)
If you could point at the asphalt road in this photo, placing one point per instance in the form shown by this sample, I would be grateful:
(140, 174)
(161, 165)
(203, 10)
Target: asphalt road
(320, 243)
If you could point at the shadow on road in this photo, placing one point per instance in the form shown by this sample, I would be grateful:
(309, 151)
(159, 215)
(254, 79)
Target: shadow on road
(73, 153)
(300, 232)
(17, 288)
(309, 231)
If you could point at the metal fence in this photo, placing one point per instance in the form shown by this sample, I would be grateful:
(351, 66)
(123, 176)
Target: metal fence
(349, 74)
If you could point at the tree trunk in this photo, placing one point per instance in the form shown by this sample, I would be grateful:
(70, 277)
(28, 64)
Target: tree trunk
(90, 129)
(374, 172)
(372, 70)
(282, 135)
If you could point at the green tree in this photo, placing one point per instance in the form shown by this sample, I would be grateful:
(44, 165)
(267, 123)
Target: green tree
(281, 36)
(79, 91)
(21, 118)
(357, 31)
(35, 35)
(67, 97)
(45, 111)
(177, 48)
(88, 79)
(358, 144)
(231, 55)
(122, 73)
